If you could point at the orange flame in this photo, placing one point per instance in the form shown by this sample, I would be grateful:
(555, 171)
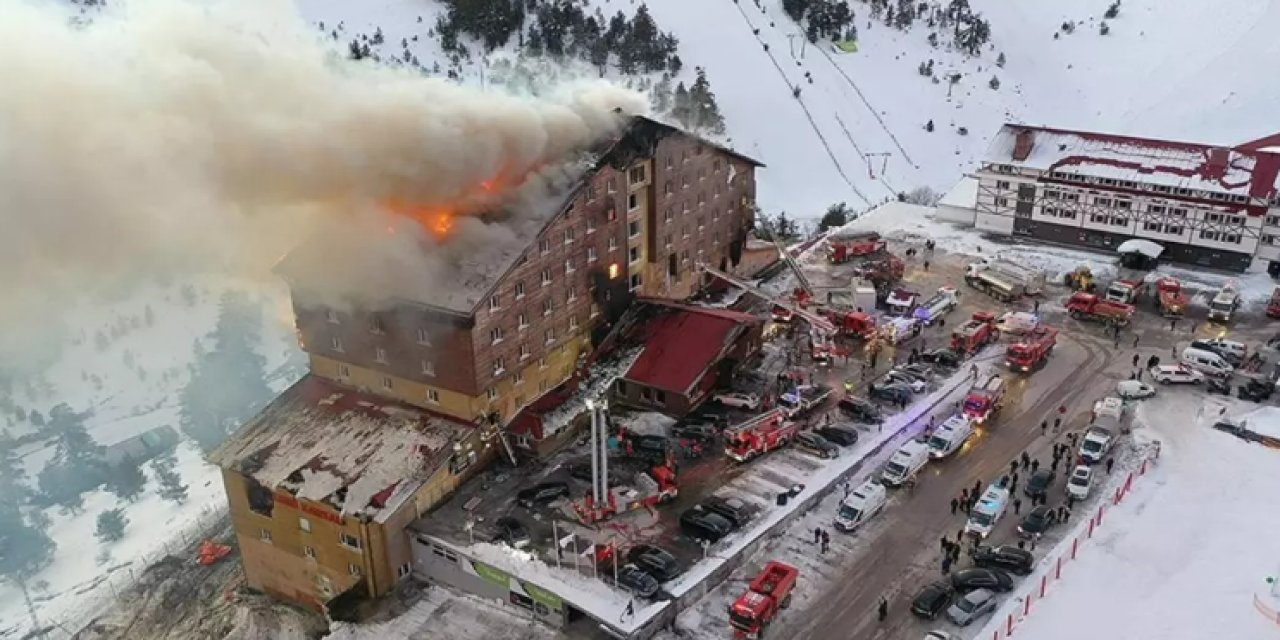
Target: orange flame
(439, 220)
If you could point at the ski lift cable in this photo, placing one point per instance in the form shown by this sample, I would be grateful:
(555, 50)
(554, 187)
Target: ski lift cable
(875, 114)
(866, 158)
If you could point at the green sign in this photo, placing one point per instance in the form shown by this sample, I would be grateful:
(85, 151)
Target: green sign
(492, 575)
(542, 595)
(847, 46)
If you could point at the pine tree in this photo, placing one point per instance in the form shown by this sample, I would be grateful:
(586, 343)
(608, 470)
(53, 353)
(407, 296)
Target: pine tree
(795, 9)
(24, 546)
(171, 487)
(906, 14)
(126, 481)
(928, 126)
(706, 113)
(681, 107)
(994, 83)
(1112, 11)
(111, 524)
(837, 215)
(1104, 29)
(1000, 60)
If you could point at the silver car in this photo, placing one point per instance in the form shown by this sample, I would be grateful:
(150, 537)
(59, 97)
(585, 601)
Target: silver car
(971, 606)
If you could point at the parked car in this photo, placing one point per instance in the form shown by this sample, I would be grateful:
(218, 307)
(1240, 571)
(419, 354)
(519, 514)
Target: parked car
(838, 435)
(1037, 521)
(979, 578)
(1232, 352)
(637, 581)
(1134, 389)
(920, 370)
(651, 446)
(1176, 374)
(1005, 557)
(734, 510)
(971, 606)
(655, 560)
(1218, 385)
(860, 409)
(542, 494)
(1038, 483)
(932, 600)
(889, 392)
(816, 444)
(512, 532)
(899, 376)
(938, 635)
(704, 526)
(1080, 482)
(696, 431)
(942, 358)
(582, 471)
(749, 401)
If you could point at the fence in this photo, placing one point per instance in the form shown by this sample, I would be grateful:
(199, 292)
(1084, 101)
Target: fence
(1265, 609)
(92, 600)
(1052, 572)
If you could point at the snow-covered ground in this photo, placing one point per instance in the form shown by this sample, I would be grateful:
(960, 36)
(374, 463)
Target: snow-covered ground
(129, 395)
(1186, 552)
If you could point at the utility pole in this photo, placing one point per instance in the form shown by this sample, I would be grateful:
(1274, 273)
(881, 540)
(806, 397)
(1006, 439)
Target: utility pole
(37, 631)
(883, 165)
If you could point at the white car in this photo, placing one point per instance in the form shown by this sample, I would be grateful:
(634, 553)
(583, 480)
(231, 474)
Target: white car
(917, 385)
(1134, 390)
(1079, 482)
(741, 400)
(1172, 373)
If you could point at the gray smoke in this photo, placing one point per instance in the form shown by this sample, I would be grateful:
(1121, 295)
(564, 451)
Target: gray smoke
(180, 134)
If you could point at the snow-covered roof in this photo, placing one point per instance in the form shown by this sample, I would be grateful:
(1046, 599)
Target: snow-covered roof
(1138, 245)
(963, 195)
(325, 443)
(1186, 165)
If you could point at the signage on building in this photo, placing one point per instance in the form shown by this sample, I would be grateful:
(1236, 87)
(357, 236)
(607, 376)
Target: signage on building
(520, 592)
(323, 514)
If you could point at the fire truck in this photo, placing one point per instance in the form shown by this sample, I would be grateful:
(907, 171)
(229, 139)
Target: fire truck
(1032, 350)
(1273, 305)
(842, 249)
(854, 324)
(658, 486)
(1088, 306)
(976, 333)
(1124, 291)
(767, 595)
(901, 302)
(983, 400)
(759, 435)
(1169, 295)
(940, 304)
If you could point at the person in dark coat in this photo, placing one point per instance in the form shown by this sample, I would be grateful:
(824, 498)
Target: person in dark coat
(883, 609)
(944, 544)
(1017, 505)
(1110, 462)
(954, 503)
(1013, 468)
(977, 489)
(1035, 465)
(1135, 359)
(817, 535)
(1044, 427)
(946, 565)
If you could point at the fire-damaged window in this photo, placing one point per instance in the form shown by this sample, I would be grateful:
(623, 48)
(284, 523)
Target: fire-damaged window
(261, 500)
(636, 175)
(335, 343)
(460, 460)
(633, 202)
(349, 541)
(375, 324)
(672, 266)
(424, 338)
(332, 316)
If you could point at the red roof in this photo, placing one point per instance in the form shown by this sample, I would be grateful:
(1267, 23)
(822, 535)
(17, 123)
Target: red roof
(682, 342)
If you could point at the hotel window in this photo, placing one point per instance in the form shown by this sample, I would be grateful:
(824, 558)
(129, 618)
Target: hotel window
(1173, 229)
(568, 236)
(549, 336)
(572, 295)
(636, 176)
(403, 570)
(610, 186)
(1002, 202)
(591, 225)
(702, 198)
(684, 182)
(387, 382)
(349, 541)
(1152, 226)
(433, 396)
(546, 277)
(1156, 209)
(542, 362)
(335, 343)
(669, 162)
(633, 202)
(353, 569)
(544, 245)
(1273, 220)
(380, 354)
(613, 243)
(635, 281)
(547, 307)
(523, 320)
(264, 535)
(715, 166)
(1102, 202)
(1124, 204)
(633, 228)
(667, 188)
(424, 338)
(519, 290)
(304, 525)
(332, 316)
(1050, 194)
(517, 378)
(524, 351)
(495, 335)
(309, 552)
(592, 254)
(427, 367)
(344, 371)
(1002, 184)
(491, 393)
(568, 265)
(573, 322)
(375, 324)
(499, 367)
(591, 192)
(633, 254)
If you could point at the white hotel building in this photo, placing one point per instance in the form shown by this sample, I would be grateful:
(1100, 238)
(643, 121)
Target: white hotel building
(1210, 206)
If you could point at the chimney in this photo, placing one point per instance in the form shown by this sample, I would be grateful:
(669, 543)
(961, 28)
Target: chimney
(1216, 165)
(1023, 141)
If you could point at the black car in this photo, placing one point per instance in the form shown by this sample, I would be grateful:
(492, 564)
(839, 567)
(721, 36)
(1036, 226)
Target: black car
(860, 409)
(889, 392)
(702, 525)
(839, 435)
(924, 371)
(1037, 521)
(932, 600)
(1218, 385)
(816, 445)
(582, 471)
(658, 562)
(1255, 390)
(696, 431)
(637, 581)
(942, 358)
(650, 447)
(542, 493)
(512, 532)
(1038, 483)
(732, 509)
(979, 578)
(1006, 557)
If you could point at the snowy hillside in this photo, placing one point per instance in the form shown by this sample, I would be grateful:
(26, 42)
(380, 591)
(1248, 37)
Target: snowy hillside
(1158, 72)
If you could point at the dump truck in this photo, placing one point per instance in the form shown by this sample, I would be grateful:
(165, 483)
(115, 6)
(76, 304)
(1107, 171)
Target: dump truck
(940, 304)
(1004, 277)
(1088, 306)
(1225, 303)
(976, 333)
(767, 595)
(759, 435)
(1032, 350)
(841, 249)
(1170, 298)
(1126, 291)
(983, 400)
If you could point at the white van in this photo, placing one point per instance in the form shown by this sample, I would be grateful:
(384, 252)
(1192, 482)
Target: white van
(1097, 442)
(950, 436)
(860, 506)
(984, 515)
(1109, 407)
(905, 463)
(1206, 362)
(1236, 351)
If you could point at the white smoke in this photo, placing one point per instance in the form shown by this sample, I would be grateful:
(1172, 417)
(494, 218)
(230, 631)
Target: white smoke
(170, 134)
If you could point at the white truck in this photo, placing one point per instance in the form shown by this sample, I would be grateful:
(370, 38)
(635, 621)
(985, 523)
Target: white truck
(950, 436)
(1225, 303)
(940, 304)
(905, 463)
(1099, 439)
(902, 302)
(984, 515)
(1010, 277)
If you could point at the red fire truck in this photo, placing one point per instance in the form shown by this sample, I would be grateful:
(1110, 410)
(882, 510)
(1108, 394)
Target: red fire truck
(983, 400)
(767, 595)
(1032, 350)
(1087, 306)
(1170, 297)
(759, 435)
(854, 324)
(1273, 305)
(658, 486)
(845, 248)
(976, 333)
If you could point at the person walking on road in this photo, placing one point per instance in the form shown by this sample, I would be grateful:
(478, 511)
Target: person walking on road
(1044, 427)
(826, 542)
(1013, 468)
(1135, 341)
(973, 371)
(1110, 463)
(1057, 424)
(1135, 359)
(883, 609)
(944, 544)
(946, 564)
(1026, 460)
(954, 503)
(1035, 465)
(817, 535)
(1036, 307)
(977, 489)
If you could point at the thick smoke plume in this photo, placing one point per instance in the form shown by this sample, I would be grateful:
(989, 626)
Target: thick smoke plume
(167, 134)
